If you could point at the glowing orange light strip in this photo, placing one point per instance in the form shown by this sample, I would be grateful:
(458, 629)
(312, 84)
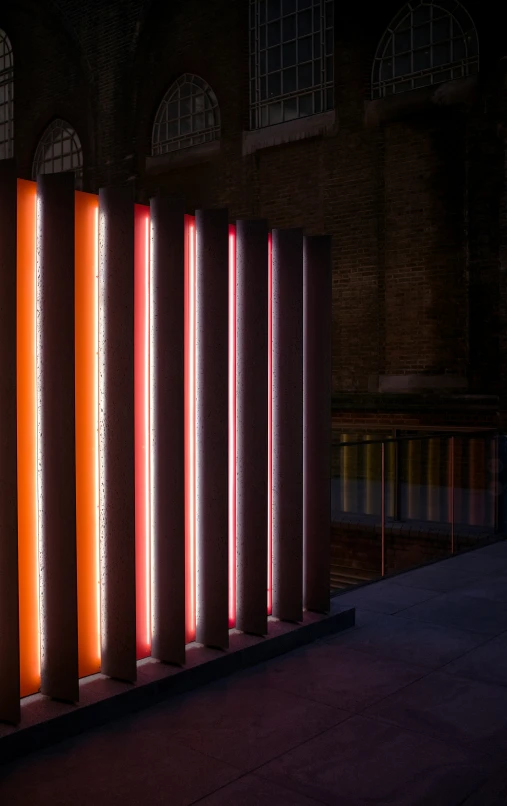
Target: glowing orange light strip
(232, 426)
(190, 437)
(270, 424)
(87, 476)
(29, 615)
(142, 427)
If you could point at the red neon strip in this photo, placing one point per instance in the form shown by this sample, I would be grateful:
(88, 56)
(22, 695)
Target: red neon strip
(232, 426)
(190, 414)
(142, 427)
(270, 424)
(87, 412)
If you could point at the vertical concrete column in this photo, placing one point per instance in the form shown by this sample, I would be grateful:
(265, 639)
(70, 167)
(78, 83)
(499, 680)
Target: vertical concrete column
(317, 336)
(116, 431)
(251, 424)
(167, 316)
(287, 394)
(9, 610)
(212, 336)
(57, 435)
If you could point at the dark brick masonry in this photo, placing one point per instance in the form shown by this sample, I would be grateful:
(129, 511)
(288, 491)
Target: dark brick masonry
(411, 188)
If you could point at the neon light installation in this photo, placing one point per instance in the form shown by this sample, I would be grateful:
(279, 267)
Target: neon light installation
(28, 546)
(270, 424)
(232, 426)
(87, 454)
(190, 423)
(142, 428)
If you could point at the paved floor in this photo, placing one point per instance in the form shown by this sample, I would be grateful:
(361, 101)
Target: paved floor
(408, 708)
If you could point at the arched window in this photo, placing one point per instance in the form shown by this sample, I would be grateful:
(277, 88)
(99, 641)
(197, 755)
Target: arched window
(59, 150)
(426, 43)
(188, 115)
(6, 98)
(291, 59)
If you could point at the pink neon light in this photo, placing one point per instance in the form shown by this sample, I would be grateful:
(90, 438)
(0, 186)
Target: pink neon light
(270, 424)
(232, 426)
(190, 423)
(142, 427)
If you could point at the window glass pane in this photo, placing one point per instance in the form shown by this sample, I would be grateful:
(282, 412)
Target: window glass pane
(274, 85)
(329, 68)
(304, 23)
(405, 23)
(386, 72)
(289, 80)
(252, 91)
(275, 113)
(422, 36)
(198, 123)
(185, 106)
(317, 102)
(185, 90)
(317, 75)
(289, 54)
(422, 59)
(402, 42)
(402, 86)
(329, 99)
(304, 76)
(263, 87)
(289, 28)
(262, 37)
(443, 75)
(329, 14)
(185, 125)
(329, 41)
(172, 110)
(171, 131)
(441, 29)
(274, 60)
(458, 49)
(264, 116)
(262, 12)
(305, 49)
(290, 109)
(304, 4)
(441, 54)
(306, 105)
(273, 9)
(402, 65)
(262, 62)
(273, 33)
(317, 42)
(421, 14)
(288, 6)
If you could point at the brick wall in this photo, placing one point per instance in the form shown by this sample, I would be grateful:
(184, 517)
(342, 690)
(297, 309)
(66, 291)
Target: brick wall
(414, 199)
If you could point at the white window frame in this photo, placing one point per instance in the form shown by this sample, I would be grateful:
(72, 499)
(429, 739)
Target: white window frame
(6, 97)
(172, 114)
(51, 151)
(301, 102)
(462, 42)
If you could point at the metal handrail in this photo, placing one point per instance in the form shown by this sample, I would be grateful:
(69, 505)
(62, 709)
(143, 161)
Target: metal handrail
(448, 435)
(433, 435)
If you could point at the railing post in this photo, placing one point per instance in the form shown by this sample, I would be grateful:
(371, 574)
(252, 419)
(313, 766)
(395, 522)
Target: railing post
(383, 511)
(452, 495)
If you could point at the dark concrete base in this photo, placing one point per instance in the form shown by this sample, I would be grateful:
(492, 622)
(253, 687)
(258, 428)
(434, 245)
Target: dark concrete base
(45, 721)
